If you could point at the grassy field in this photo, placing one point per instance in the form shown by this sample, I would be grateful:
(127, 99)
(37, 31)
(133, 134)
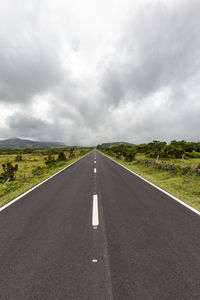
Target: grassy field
(25, 179)
(185, 187)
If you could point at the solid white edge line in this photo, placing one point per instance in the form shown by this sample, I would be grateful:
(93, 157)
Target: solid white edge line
(36, 186)
(160, 189)
(95, 212)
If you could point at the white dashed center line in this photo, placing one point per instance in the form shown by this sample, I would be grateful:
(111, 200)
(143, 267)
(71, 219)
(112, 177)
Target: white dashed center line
(95, 211)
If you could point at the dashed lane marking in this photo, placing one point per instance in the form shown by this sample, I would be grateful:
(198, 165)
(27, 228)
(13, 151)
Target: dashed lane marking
(95, 211)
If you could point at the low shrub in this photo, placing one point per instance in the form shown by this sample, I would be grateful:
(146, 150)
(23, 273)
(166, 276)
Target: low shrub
(61, 156)
(193, 154)
(38, 170)
(18, 158)
(50, 161)
(8, 187)
(197, 170)
(61, 163)
(71, 153)
(185, 170)
(9, 172)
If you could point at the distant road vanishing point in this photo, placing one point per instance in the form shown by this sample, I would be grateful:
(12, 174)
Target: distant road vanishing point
(97, 231)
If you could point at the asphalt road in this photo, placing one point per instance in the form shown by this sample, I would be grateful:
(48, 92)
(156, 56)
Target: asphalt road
(134, 242)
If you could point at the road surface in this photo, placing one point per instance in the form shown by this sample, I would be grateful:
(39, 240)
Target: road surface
(96, 231)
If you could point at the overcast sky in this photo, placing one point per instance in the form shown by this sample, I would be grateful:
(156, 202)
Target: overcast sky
(87, 72)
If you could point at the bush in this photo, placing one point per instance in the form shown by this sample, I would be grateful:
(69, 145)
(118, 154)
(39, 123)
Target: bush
(38, 170)
(83, 152)
(60, 163)
(173, 151)
(9, 172)
(186, 170)
(193, 154)
(197, 169)
(61, 156)
(18, 158)
(8, 187)
(50, 160)
(118, 155)
(130, 154)
(71, 153)
(110, 152)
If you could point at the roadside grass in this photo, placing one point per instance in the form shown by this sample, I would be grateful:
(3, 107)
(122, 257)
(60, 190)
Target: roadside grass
(191, 162)
(185, 187)
(25, 180)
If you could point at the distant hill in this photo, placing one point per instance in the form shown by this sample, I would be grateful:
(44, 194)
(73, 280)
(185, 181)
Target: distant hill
(17, 143)
(115, 144)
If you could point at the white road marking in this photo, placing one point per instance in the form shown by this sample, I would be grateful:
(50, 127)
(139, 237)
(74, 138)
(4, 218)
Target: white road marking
(168, 194)
(95, 161)
(33, 188)
(95, 211)
(95, 170)
(94, 260)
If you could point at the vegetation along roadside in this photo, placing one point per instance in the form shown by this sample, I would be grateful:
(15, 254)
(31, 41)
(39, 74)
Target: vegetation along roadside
(174, 167)
(21, 169)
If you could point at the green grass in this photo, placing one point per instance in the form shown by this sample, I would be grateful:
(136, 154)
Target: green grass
(191, 162)
(12, 189)
(184, 187)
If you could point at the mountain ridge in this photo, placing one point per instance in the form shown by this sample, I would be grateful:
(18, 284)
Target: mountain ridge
(18, 143)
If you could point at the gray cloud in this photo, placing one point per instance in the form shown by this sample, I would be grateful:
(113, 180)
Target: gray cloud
(161, 49)
(30, 61)
(27, 126)
(133, 78)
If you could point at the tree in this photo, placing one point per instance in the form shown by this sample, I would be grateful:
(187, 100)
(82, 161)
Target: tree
(173, 150)
(130, 154)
